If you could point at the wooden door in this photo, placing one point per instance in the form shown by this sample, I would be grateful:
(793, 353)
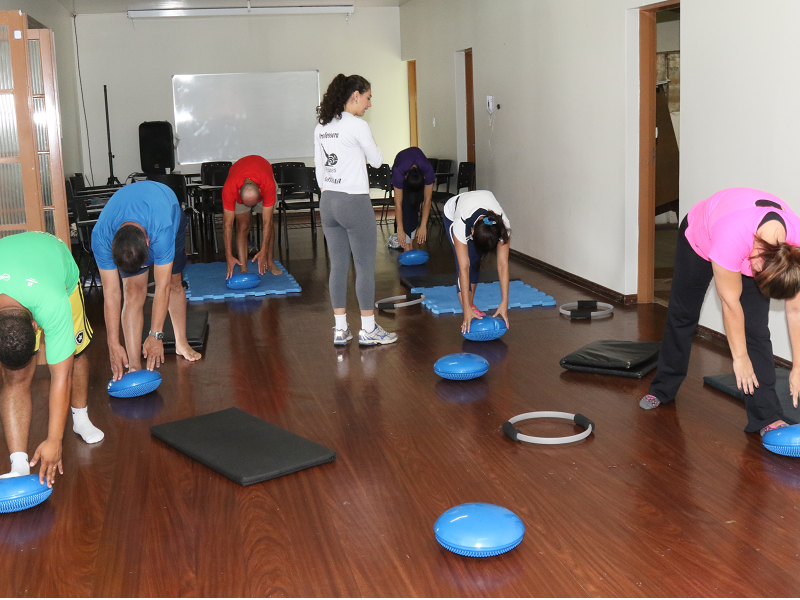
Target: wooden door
(32, 189)
(412, 102)
(470, 105)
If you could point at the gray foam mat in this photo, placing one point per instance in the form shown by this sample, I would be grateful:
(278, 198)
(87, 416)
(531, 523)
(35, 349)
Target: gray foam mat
(242, 447)
(727, 383)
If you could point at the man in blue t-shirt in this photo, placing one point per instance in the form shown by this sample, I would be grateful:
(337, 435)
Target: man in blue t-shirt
(412, 178)
(141, 225)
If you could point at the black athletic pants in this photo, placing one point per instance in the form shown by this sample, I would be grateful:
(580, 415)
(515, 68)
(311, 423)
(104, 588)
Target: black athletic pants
(689, 285)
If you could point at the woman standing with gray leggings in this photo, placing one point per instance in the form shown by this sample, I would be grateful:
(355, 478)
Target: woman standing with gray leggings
(342, 145)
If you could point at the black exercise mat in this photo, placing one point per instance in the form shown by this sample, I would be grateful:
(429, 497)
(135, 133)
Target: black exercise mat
(241, 447)
(727, 383)
(614, 357)
(444, 279)
(196, 329)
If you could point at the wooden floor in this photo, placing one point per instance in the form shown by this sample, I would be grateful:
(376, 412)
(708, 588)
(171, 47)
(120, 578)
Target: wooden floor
(672, 502)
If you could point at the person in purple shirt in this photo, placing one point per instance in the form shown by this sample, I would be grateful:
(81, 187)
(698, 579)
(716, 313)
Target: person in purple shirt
(748, 241)
(412, 178)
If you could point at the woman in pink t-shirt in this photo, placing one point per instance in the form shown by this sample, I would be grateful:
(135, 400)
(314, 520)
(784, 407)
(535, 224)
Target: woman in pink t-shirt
(748, 241)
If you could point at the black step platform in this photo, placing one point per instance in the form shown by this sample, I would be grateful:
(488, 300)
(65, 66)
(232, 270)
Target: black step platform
(196, 330)
(727, 383)
(614, 357)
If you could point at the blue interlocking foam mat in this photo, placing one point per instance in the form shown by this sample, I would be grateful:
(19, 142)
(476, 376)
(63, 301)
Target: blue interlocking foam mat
(207, 282)
(444, 299)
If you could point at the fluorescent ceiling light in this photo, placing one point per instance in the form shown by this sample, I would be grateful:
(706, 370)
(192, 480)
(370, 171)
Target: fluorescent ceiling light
(236, 12)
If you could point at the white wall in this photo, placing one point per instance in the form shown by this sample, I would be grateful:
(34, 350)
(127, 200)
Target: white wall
(556, 156)
(739, 118)
(53, 15)
(137, 60)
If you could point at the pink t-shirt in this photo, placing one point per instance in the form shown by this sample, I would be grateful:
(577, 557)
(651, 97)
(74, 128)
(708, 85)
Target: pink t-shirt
(722, 228)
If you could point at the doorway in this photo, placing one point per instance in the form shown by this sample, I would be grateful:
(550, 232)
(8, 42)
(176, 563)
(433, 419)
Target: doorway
(413, 122)
(658, 148)
(465, 107)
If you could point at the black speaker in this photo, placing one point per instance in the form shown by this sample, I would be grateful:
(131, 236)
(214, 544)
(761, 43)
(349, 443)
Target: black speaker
(155, 147)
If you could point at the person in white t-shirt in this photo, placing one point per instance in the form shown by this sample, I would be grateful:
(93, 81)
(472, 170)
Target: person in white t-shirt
(476, 225)
(343, 144)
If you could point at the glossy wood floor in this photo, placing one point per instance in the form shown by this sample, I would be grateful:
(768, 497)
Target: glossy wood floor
(672, 502)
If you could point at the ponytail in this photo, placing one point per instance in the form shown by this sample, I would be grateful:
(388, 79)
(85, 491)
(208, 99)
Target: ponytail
(337, 95)
(488, 232)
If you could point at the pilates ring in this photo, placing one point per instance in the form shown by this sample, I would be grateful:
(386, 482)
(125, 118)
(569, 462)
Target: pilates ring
(399, 301)
(578, 419)
(584, 309)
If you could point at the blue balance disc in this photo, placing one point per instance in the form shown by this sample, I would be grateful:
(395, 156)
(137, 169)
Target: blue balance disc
(19, 493)
(478, 529)
(461, 366)
(785, 440)
(136, 383)
(413, 257)
(485, 329)
(243, 281)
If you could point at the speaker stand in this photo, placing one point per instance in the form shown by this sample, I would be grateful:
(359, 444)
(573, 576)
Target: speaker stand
(111, 179)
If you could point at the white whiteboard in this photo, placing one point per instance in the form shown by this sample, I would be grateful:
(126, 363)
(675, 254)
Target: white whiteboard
(230, 115)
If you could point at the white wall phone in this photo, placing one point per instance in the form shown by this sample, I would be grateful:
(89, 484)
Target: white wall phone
(490, 104)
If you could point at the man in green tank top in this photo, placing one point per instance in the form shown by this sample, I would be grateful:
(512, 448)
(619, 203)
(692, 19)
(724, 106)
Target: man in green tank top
(41, 302)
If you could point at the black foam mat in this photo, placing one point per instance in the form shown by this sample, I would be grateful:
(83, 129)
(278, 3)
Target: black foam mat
(444, 279)
(242, 447)
(614, 357)
(727, 383)
(196, 329)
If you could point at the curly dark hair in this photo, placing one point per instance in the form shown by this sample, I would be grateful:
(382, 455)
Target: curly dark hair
(779, 276)
(337, 95)
(129, 249)
(486, 237)
(17, 338)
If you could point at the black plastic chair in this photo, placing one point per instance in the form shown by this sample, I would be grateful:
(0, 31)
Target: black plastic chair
(84, 223)
(381, 179)
(297, 196)
(465, 179)
(279, 168)
(212, 173)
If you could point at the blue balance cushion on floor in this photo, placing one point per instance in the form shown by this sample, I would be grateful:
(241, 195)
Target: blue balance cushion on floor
(785, 440)
(243, 281)
(478, 529)
(413, 257)
(207, 282)
(135, 383)
(461, 366)
(486, 329)
(487, 297)
(19, 493)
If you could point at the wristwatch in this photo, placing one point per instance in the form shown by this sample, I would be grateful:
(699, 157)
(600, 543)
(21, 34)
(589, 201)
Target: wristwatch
(159, 335)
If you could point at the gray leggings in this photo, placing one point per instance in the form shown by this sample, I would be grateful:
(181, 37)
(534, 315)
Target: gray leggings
(348, 221)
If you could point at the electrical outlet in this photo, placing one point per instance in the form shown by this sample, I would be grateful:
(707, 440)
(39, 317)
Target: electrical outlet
(490, 104)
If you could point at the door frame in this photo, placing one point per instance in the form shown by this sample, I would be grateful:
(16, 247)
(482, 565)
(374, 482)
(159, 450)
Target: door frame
(647, 148)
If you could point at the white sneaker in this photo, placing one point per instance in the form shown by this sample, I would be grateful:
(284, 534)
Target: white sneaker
(375, 337)
(393, 243)
(340, 338)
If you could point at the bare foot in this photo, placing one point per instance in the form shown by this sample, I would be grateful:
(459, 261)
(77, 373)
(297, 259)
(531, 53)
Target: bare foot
(273, 268)
(477, 312)
(187, 352)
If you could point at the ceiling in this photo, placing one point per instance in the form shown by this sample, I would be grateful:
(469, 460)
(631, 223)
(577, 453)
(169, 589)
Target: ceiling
(82, 7)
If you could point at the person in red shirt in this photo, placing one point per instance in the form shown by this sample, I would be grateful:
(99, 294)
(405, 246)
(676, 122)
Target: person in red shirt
(250, 185)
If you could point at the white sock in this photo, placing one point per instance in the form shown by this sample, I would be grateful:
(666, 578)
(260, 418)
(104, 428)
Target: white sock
(368, 323)
(341, 322)
(83, 426)
(19, 465)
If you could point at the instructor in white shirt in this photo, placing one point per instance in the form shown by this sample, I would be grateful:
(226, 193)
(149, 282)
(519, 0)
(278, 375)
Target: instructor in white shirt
(343, 144)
